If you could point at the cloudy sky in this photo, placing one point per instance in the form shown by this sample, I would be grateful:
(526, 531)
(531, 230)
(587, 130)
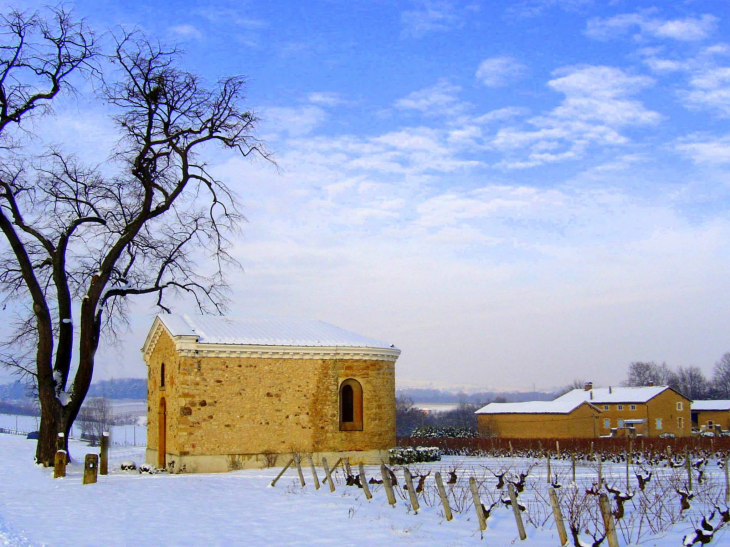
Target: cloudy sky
(516, 194)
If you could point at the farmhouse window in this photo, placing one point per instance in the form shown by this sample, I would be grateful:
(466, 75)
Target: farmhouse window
(658, 423)
(350, 405)
(607, 424)
(620, 407)
(680, 406)
(709, 423)
(680, 423)
(620, 423)
(632, 407)
(605, 407)
(162, 375)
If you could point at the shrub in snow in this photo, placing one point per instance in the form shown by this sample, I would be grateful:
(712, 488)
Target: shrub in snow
(430, 432)
(151, 469)
(128, 466)
(419, 454)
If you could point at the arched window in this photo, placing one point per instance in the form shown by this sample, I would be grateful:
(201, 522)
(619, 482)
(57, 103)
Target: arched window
(162, 375)
(350, 405)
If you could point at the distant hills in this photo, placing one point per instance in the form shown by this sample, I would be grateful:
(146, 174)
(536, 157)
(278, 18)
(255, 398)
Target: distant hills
(421, 395)
(125, 388)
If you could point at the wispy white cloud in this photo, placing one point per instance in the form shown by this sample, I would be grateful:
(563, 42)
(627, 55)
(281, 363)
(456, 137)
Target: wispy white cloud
(431, 16)
(708, 77)
(326, 98)
(294, 121)
(188, 32)
(647, 24)
(500, 71)
(596, 106)
(438, 100)
(706, 149)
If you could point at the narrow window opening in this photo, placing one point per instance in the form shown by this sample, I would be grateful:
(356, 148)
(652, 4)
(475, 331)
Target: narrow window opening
(162, 375)
(351, 405)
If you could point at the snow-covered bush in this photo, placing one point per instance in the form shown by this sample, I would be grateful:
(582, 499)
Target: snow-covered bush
(444, 432)
(419, 454)
(129, 465)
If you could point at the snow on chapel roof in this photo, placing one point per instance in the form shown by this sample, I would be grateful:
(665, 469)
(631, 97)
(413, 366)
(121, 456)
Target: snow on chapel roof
(263, 331)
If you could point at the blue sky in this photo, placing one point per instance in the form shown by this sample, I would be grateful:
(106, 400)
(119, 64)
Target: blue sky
(516, 194)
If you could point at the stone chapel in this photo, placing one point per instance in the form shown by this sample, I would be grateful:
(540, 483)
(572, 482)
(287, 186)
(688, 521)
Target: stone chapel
(227, 393)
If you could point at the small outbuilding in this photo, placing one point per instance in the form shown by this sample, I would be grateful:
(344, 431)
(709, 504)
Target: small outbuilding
(227, 393)
(709, 415)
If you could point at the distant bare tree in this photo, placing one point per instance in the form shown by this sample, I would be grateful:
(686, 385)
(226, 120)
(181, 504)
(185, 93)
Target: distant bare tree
(575, 384)
(95, 418)
(721, 377)
(643, 373)
(87, 238)
(691, 382)
(407, 416)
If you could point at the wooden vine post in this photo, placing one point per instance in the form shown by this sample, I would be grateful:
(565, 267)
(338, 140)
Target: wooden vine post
(387, 484)
(557, 448)
(315, 478)
(411, 491)
(516, 510)
(572, 458)
(605, 506)
(477, 504)
(444, 498)
(273, 483)
(364, 482)
(299, 469)
(548, 468)
(688, 465)
(327, 474)
(727, 481)
(558, 516)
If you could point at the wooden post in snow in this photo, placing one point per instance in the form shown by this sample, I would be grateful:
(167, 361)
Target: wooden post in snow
(558, 516)
(61, 459)
(727, 481)
(605, 506)
(688, 465)
(59, 464)
(299, 469)
(411, 490)
(516, 510)
(477, 504)
(387, 484)
(364, 481)
(273, 483)
(348, 469)
(104, 454)
(600, 470)
(591, 455)
(328, 476)
(548, 468)
(442, 495)
(91, 467)
(315, 478)
(511, 451)
(557, 448)
(572, 458)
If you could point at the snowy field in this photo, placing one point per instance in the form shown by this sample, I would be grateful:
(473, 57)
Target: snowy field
(240, 508)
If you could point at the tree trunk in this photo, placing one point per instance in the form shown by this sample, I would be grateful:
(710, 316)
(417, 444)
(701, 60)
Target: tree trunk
(49, 427)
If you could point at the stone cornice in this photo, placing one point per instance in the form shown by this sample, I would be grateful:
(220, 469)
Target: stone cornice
(188, 346)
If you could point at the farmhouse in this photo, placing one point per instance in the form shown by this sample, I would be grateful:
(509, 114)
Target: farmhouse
(539, 420)
(228, 393)
(711, 414)
(649, 411)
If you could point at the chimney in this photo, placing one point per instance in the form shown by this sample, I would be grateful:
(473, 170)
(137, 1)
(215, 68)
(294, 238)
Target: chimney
(589, 386)
(609, 389)
(651, 383)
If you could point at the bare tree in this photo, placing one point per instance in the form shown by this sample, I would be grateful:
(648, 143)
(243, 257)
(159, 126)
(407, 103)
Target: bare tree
(94, 418)
(87, 238)
(645, 373)
(721, 377)
(691, 382)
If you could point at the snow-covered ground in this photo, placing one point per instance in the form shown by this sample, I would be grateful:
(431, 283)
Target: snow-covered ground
(240, 508)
